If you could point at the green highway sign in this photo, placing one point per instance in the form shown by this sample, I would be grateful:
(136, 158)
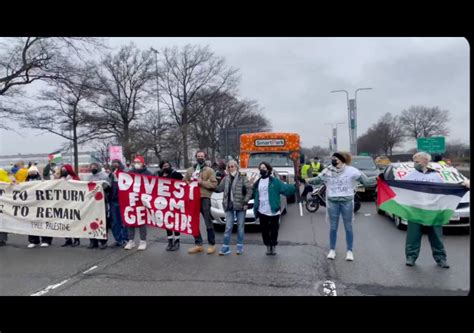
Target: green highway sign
(433, 145)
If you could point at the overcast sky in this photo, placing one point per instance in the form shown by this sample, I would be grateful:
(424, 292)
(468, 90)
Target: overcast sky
(291, 78)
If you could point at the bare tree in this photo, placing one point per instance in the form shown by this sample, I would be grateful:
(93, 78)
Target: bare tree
(65, 108)
(122, 94)
(422, 121)
(28, 59)
(186, 73)
(223, 111)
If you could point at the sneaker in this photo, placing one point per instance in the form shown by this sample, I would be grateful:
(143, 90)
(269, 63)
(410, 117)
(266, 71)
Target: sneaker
(103, 246)
(349, 256)
(92, 246)
(76, 242)
(196, 249)
(211, 249)
(130, 245)
(68, 243)
(332, 254)
(443, 264)
(31, 245)
(44, 244)
(274, 250)
(142, 245)
(410, 262)
(240, 249)
(224, 251)
(269, 250)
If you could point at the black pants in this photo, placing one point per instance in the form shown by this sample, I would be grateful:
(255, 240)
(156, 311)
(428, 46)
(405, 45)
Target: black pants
(269, 226)
(70, 239)
(307, 189)
(37, 239)
(170, 233)
(206, 213)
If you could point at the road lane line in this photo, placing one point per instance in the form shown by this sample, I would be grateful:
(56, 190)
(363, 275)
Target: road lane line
(49, 288)
(90, 269)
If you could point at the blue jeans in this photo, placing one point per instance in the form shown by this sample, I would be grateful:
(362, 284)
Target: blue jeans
(229, 224)
(335, 209)
(118, 230)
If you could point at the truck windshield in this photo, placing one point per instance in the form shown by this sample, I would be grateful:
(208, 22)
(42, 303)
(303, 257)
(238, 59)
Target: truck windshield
(274, 159)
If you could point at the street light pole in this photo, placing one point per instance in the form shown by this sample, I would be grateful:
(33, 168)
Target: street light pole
(157, 86)
(334, 134)
(352, 118)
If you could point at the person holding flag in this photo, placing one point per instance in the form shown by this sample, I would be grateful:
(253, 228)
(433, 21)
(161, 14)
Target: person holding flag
(423, 201)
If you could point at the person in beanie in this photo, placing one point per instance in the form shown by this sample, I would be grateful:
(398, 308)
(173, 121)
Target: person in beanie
(206, 179)
(340, 179)
(140, 168)
(34, 175)
(266, 193)
(166, 171)
(237, 193)
(97, 175)
(67, 172)
(119, 231)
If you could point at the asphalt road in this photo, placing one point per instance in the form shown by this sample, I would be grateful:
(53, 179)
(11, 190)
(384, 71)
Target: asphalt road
(300, 268)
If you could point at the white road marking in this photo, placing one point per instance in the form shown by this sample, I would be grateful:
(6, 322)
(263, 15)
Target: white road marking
(49, 288)
(329, 288)
(90, 269)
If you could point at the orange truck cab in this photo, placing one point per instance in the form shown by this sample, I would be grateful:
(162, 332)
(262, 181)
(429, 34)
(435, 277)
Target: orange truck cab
(280, 150)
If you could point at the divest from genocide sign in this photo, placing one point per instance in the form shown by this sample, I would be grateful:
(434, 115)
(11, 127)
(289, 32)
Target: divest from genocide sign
(56, 208)
(160, 202)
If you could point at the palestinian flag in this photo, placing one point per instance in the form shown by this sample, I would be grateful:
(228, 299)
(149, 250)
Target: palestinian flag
(55, 158)
(419, 202)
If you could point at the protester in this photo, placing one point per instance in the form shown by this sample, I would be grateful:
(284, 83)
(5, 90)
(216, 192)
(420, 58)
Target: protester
(119, 231)
(237, 193)
(67, 172)
(97, 175)
(34, 175)
(140, 168)
(266, 193)
(167, 171)
(423, 173)
(206, 179)
(21, 173)
(4, 178)
(220, 172)
(340, 179)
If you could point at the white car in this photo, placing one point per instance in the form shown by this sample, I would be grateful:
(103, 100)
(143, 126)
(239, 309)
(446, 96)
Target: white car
(217, 210)
(460, 216)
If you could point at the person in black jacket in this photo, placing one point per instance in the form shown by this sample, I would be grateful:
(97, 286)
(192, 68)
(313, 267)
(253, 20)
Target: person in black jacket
(167, 171)
(33, 174)
(119, 231)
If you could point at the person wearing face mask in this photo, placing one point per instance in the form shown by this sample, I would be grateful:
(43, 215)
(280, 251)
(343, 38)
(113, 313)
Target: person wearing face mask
(206, 179)
(97, 175)
(67, 172)
(266, 194)
(340, 179)
(119, 231)
(166, 171)
(34, 175)
(423, 173)
(237, 193)
(138, 167)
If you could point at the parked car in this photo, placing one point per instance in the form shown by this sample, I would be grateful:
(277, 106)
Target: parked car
(367, 165)
(217, 210)
(460, 217)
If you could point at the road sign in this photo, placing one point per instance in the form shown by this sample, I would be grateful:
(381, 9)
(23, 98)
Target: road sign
(433, 145)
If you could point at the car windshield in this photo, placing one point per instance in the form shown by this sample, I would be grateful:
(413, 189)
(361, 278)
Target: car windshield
(363, 163)
(274, 159)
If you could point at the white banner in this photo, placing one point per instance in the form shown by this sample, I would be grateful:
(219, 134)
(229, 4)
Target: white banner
(56, 208)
